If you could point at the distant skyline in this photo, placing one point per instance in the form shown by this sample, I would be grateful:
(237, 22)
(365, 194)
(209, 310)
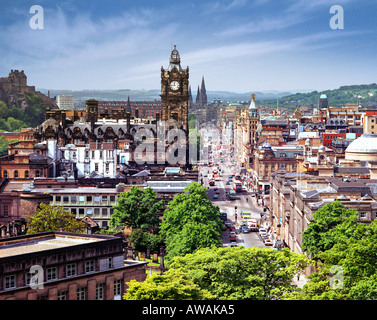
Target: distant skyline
(238, 45)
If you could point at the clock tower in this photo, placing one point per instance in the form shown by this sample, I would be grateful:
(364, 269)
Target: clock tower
(175, 93)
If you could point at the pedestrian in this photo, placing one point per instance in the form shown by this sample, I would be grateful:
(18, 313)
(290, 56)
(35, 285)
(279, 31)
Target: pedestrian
(247, 199)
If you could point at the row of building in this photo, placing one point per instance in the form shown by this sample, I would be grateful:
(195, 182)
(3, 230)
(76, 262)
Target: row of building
(299, 162)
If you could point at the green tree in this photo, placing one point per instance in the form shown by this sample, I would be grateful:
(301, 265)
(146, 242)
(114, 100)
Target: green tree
(331, 223)
(137, 209)
(50, 218)
(225, 273)
(170, 286)
(190, 222)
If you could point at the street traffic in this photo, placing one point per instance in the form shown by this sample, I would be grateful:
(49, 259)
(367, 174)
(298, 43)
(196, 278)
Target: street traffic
(245, 223)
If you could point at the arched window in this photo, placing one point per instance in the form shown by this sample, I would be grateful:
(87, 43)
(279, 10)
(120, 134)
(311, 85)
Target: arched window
(37, 174)
(26, 174)
(16, 174)
(5, 174)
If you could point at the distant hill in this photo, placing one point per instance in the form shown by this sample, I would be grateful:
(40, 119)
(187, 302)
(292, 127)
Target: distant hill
(365, 94)
(227, 96)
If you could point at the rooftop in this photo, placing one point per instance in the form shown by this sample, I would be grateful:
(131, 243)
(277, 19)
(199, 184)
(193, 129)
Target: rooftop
(42, 242)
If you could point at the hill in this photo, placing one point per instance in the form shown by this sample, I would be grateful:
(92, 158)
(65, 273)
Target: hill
(21, 106)
(365, 95)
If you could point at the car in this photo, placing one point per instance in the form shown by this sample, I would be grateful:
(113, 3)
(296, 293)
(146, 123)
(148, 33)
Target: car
(268, 242)
(205, 175)
(263, 235)
(262, 230)
(228, 224)
(223, 215)
(244, 229)
(215, 196)
(232, 238)
(233, 244)
(228, 182)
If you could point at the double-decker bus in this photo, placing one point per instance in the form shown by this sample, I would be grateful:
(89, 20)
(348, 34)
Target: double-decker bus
(237, 186)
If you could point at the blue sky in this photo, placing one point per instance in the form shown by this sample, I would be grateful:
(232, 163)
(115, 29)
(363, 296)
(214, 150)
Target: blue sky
(238, 45)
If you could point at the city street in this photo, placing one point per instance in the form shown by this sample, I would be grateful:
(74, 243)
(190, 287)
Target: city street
(244, 200)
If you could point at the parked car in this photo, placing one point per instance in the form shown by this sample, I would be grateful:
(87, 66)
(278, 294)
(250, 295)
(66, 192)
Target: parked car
(223, 215)
(217, 190)
(262, 230)
(263, 235)
(228, 224)
(215, 196)
(228, 182)
(232, 236)
(233, 244)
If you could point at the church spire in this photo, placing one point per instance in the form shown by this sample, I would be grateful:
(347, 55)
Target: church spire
(197, 100)
(203, 93)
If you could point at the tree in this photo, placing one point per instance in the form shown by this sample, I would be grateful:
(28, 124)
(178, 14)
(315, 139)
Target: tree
(190, 222)
(137, 209)
(170, 286)
(351, 261)
(50, 218)
(331, 223)
(225, 273)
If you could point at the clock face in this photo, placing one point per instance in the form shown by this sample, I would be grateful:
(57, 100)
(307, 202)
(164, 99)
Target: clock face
(174, 85)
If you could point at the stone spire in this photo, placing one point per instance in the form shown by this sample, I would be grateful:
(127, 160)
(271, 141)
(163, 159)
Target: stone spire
(197, 100)
(203, 94)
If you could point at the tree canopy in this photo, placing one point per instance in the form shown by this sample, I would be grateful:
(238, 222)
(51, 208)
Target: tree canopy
(50, 218)
(222, 274)
(190, 222)
(137, 209)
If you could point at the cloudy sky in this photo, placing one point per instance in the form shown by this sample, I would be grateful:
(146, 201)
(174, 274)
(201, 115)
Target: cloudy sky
(238, 45)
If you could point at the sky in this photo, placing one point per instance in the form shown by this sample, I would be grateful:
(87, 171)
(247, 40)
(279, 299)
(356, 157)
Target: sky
(237, 45)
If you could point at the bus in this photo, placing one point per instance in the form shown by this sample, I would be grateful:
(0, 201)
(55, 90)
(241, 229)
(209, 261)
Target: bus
(232, 195)
(237, 186)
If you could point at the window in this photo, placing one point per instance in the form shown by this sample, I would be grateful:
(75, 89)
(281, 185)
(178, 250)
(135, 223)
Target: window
(99, 292)
(58, 199)
(89, 199)
(117, 289)
(16, 174)
(93, 153)
(107, 167)
(37, 174)
(62, 295)
(81, 294)
(96, 198)
(86, 154)
(89, 266)
(104, 212)
(52, 273)
(89, 211)
(5, 174)
(81, 211)
(10, 282)
(81, 199)
(96, 212)
(112, 198)
(363, 215)
(96, 167)
(101, 154)
(73, 199)
(65, 199)
(26, 174)
(104, 199)
(74, 211)
(6, 210)
(71, 269)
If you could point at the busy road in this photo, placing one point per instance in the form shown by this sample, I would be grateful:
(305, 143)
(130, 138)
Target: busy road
(222, 173)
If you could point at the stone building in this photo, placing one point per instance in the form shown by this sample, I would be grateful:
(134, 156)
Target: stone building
(295, 197)
(65, 266)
